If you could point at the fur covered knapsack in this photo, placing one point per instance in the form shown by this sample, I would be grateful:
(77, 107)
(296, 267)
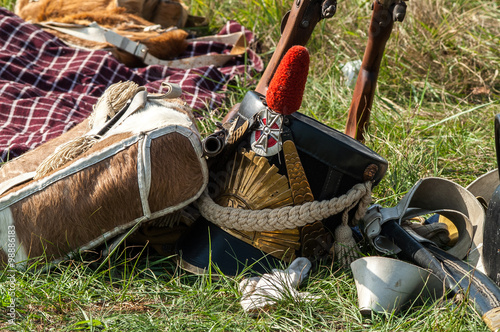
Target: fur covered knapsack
(140, 160)
(153, 23)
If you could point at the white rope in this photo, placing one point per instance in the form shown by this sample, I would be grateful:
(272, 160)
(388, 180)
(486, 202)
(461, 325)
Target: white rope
(65, 153)
(113, 99)
(288, 217)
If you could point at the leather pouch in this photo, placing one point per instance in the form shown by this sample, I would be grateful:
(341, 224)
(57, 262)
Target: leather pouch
(328, 161)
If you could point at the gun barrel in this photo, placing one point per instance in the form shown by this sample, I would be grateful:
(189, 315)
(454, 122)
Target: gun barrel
(213, 144)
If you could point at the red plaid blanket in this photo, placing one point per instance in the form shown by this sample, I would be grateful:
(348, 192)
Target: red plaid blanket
(46, 87)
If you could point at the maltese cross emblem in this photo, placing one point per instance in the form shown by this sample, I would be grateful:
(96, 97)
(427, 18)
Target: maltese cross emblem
(266, 139)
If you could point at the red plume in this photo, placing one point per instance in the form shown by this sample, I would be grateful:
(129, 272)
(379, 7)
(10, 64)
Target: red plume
(286, 88)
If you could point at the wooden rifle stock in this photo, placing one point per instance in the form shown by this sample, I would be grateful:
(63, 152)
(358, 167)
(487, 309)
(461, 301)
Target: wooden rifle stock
(383, 17)
(299, 24)
(296, 29)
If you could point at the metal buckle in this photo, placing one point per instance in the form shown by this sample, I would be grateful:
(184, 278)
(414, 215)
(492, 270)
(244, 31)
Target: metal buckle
(372, 222)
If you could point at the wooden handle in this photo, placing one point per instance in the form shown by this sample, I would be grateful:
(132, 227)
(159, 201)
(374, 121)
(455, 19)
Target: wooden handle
(379, 32)
(299, 25)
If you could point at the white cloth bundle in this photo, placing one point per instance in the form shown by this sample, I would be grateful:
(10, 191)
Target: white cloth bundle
(261, 293)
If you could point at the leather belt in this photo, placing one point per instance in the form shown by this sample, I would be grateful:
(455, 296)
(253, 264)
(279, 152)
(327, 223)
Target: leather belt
(431, 196)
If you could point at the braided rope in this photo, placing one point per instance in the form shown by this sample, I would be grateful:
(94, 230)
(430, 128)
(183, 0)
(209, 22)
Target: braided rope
(114, 99)
(65, 153)
(364, 203)
(287, 217)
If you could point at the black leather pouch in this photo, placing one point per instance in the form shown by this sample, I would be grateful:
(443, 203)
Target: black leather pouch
(332, 161)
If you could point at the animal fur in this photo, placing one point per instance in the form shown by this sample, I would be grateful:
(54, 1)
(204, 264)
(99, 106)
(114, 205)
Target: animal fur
(171, 13)
(165, 13)
(29, 161)
(108, 14)
(46, 10)
(83, 207)
(78, 209)
(62, 212)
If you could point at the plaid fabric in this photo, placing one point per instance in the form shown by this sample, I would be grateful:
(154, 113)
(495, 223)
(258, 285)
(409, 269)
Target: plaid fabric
(46, 87)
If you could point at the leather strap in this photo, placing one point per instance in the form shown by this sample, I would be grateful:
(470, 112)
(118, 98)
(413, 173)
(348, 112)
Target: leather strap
(429, 196)
(18, 180)
(96, 33)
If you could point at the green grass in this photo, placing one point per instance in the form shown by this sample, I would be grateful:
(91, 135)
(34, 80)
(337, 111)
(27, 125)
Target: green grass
(437, 94)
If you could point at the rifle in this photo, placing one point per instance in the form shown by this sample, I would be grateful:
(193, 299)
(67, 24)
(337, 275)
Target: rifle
(297, 26)
(385, 12)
